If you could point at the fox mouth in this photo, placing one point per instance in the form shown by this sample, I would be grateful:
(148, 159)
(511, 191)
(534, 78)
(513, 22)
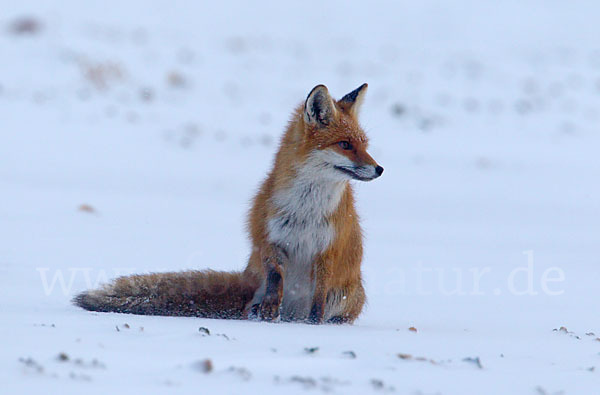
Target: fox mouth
(354, 172)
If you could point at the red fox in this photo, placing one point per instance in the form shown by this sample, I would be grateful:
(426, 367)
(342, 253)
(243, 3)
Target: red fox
(305, 233)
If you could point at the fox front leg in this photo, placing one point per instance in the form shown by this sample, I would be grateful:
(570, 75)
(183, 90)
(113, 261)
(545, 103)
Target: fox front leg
(273, 259)
(322, 274)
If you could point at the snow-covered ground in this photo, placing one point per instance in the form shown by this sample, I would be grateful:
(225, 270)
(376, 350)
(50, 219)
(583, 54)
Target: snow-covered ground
(135, 133)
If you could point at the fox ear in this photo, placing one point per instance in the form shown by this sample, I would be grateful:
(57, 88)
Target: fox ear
(353, 100)
(319, 108)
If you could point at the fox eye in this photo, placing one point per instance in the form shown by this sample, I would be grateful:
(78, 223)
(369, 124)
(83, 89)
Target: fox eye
(345, 145)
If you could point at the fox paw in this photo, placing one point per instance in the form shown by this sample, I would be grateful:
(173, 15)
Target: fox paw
(316, 315)
(269, 308)
(252, 312)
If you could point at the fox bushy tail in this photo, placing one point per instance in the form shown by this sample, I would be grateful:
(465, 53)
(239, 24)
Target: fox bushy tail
(208, 294)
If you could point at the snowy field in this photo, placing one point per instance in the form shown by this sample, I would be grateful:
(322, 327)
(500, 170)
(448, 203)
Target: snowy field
(135, 133)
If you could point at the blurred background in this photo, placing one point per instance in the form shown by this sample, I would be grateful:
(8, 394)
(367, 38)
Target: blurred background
(135, 133)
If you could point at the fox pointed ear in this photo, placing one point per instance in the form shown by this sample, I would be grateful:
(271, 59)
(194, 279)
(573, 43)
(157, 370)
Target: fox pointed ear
(353, 100)
(319, 108)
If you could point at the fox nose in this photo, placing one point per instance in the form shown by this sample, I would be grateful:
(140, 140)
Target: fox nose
(379, 170)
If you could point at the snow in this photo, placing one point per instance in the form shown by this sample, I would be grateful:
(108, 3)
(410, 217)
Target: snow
(163, 117)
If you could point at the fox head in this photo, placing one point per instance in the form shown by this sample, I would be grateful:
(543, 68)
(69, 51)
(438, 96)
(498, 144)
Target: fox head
(334, 142)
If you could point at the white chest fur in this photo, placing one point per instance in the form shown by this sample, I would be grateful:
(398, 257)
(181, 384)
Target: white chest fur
(302, 229)
(301, 226)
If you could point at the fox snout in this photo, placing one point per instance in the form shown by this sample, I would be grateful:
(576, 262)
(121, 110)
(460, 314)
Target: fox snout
(361, 173)
(355, 165)
(368, 159)
(363, 168)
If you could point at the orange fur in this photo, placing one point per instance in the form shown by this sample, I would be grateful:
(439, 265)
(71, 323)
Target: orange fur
(312, 241)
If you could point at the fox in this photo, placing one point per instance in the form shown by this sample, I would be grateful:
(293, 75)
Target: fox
(307, 242)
